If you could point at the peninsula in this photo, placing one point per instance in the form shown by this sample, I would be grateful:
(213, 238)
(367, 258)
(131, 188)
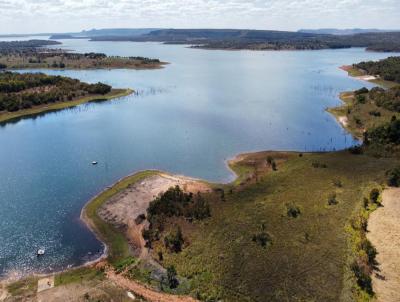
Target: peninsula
(34, 93)
(31, 55)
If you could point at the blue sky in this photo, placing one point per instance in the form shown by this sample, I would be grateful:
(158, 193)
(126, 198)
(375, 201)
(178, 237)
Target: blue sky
(30, 16)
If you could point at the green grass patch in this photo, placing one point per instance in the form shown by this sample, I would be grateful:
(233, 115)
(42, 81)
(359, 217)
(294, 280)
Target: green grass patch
(24, 287)
(309, 254)
(78, 275)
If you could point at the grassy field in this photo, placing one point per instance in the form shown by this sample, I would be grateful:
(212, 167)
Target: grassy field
(9, 116)
(359, 117)
(309, 255)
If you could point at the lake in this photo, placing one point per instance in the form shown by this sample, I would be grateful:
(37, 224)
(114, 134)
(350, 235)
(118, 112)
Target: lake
(188, 118)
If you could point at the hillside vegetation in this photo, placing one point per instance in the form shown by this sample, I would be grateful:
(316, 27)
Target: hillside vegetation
(33, 93)
(388, 69)
(31, 54)
(264, 39)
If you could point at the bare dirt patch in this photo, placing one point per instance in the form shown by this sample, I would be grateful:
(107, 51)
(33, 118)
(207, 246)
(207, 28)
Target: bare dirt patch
(384, 234)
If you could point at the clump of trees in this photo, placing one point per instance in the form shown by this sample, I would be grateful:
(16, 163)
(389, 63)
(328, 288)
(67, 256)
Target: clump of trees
(174, 240)
(387, 134)
(388, 69)
(23, 91)
(174, 203)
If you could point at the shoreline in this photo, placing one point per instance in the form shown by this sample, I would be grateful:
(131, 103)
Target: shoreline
(9, 117)
(99, 199)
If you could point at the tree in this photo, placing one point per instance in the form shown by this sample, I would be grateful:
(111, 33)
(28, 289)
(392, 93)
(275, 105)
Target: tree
(174, 240)
(172, 277)
(374, 195)
(393, 177)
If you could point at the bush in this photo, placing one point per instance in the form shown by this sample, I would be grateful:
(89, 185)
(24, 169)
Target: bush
(363, 278)
(332, 199)
(171, 277)
(361, 91)
(374, 195)
(262, 238)
(356, 150)
(174, 240)
(292, 210)
(393, 177)
(3, 66)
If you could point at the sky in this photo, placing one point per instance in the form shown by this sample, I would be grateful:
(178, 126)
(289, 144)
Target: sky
(38, 16)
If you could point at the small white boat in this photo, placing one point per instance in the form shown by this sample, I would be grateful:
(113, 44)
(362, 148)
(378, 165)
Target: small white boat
(40, 252)
(94, 163)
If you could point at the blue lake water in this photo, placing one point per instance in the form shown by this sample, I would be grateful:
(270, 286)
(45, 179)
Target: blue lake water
(188, 118)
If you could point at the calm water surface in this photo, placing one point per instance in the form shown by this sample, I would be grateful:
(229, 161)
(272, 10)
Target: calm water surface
(188, 118)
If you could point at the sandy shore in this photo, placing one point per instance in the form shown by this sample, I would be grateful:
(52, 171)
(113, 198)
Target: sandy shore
(384, 234)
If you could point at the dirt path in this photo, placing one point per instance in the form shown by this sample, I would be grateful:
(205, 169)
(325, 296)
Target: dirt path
(384, 234)
(145, 292)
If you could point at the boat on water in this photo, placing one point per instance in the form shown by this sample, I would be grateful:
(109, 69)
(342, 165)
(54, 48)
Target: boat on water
(40, 252)
(94, 162)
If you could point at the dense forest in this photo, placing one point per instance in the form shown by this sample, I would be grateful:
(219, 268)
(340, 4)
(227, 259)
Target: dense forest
(23, 91)
(388, 69)
(264, 39)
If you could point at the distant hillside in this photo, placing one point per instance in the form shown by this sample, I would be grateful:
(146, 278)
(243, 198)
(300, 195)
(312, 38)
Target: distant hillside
(348, 31)
(133, 32)
(264, 39)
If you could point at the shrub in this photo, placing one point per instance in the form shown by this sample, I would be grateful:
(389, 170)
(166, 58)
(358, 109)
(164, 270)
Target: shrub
(374, 195)
(393, 177)
(292, 210)
(370, 250)
(363, 278)
(171, 277)
(174, 240)
(3, 66)
(361, 91)
(356, 150)
(337, 183)
(332, 199)
(262, 238)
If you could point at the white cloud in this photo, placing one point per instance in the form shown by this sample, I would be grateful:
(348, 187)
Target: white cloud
(74, 15)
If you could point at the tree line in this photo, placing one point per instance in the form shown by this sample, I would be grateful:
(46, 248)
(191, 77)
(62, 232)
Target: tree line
(23, 91)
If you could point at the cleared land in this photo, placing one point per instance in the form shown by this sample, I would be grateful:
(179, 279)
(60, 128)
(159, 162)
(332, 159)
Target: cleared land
(384, 233)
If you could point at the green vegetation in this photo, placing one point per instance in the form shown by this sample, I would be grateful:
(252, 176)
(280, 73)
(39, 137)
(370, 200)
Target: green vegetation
(78, 275)
(26, 287)
(264, 39)
(33, 93)
(29, 54)
(388, 69)
(173, 203)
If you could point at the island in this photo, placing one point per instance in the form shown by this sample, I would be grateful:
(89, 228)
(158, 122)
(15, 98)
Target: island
(291, 226)
(30, 94)
(32, 55)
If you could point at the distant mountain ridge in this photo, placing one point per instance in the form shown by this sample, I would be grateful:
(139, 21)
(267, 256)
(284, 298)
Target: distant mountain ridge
(344, 32)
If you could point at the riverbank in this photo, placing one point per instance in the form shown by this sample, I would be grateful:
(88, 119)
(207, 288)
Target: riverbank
(362, 76)
(11, 116)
